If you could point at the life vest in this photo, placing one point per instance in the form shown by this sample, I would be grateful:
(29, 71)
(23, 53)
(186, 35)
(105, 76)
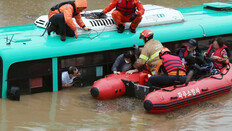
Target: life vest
(126, 7)
(57, 7)
(171, 63)
(186, 51)
(210, 51)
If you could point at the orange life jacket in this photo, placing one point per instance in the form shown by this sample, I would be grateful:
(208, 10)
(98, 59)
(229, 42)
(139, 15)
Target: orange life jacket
(211, 52)
(171, 63)
(57, 7)
(126, 7)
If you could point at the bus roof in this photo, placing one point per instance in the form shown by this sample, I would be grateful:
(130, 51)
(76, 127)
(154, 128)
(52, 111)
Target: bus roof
(27, 43)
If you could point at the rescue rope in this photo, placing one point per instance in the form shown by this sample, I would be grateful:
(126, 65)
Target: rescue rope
(94, 36)
(228, 69)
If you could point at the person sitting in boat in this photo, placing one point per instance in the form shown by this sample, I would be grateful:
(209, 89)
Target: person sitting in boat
(68, 76)
(191, 55)
(124, 63)
(60, 18)
(218, 53)
(150, 52)
(126, 11)
(188, 50)
(173, 70)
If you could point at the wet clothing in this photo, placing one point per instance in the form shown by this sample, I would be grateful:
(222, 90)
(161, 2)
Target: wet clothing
(223, 59)
(189, 59)
(183, 52)
(124, 10)
(59, 25)
(173, 69)
(149, 55)
(68, 11)
(121, 65)
(66, 79)
(165, 80)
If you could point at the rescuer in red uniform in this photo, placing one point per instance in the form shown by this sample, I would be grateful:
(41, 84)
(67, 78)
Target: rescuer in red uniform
(126, 11)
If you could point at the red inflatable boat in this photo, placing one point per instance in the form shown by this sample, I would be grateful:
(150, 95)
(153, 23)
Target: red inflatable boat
(172, 98)
(112, 86)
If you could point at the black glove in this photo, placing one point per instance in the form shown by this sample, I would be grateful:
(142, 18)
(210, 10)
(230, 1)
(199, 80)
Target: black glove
(133, 16)
(101, 15)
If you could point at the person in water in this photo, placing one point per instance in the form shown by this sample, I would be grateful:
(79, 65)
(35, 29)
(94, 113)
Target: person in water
(68, 76)
(150, 52)
(172, 70)
(126, 11)
(60, 18)
(124, 63)
(218, 53)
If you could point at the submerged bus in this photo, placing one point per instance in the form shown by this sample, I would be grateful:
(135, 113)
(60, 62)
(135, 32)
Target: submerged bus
(34, 63)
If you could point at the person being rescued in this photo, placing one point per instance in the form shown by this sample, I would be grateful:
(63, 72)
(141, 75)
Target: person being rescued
(173, 69)
(60, 18)
(126, 11)
(218, 53)
(150, 52)
(190, 54)
(124, 63)
(193, 60)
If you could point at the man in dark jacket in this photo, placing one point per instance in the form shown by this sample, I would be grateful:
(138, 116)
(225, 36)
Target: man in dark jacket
(124, 63)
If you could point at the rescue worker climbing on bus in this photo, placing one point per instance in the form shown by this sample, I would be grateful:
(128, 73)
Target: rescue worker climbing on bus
(150, 52)
(172, 69)
(60, 18)
(124, 63)
(218, 53)
(126, 11)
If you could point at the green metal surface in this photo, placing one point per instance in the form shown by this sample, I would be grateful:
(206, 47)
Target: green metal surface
(55, 74)
(218, 5)
(27, 44)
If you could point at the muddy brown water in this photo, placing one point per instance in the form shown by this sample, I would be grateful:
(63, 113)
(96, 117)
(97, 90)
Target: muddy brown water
(75, 109)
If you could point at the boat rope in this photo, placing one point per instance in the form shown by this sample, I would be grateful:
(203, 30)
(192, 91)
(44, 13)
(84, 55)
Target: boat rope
(227, 70)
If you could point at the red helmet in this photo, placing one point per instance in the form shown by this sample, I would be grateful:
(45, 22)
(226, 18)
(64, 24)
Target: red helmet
(164, 50)
(145, 34)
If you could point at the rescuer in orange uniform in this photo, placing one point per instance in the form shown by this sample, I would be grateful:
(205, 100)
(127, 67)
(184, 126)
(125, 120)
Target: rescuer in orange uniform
(60, 18)
(126, 11)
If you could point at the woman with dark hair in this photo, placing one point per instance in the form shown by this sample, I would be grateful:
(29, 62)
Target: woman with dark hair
(124, 63)
(218, 52)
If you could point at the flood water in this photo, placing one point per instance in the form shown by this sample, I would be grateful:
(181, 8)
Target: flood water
(75, 109)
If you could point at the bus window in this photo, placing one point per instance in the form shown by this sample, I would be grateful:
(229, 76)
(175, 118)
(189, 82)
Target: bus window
(31, 76)
(92, 66)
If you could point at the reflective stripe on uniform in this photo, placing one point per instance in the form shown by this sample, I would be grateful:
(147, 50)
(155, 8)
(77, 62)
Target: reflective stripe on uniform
(154, 56)
(143, 57)
(153, 72)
